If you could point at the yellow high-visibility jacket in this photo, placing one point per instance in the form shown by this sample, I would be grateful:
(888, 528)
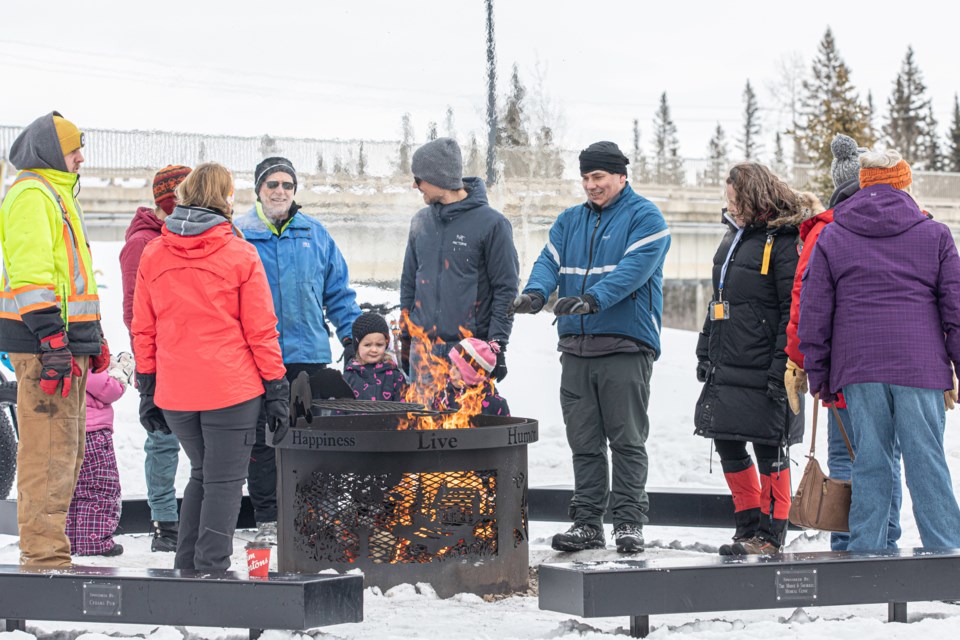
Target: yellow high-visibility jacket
(47, 280)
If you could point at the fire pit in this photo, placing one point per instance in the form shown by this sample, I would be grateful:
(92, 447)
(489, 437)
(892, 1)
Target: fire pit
(378, 493)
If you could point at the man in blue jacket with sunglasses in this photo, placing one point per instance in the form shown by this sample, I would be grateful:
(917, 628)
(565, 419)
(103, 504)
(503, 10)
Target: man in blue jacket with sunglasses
(606, 257)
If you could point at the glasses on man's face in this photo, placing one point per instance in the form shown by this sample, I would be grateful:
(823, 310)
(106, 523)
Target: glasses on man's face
(417, 181)
(273, 184)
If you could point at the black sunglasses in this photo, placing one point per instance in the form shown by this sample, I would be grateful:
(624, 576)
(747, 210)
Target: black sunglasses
(273, 184)
(417, 181)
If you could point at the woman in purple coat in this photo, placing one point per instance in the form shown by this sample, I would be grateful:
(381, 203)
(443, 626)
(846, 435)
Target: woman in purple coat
(880, 320)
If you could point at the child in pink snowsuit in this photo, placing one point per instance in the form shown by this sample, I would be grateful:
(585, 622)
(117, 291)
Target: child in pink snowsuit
(95, 509)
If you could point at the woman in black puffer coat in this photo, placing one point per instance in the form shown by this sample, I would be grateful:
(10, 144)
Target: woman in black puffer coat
(741, 356)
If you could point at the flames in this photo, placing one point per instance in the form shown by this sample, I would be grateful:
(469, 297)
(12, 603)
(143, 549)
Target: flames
(429, 382)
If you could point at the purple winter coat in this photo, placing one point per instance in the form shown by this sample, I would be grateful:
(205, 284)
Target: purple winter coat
(102, 391)
(881, 297)
(381, 381)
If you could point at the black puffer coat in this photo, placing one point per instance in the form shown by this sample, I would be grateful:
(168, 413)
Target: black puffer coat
(747, 349)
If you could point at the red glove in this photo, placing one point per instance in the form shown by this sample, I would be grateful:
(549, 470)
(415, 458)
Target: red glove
(57, 364)
(100, 362)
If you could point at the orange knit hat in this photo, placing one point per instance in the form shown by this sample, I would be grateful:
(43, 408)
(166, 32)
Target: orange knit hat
(898, 176)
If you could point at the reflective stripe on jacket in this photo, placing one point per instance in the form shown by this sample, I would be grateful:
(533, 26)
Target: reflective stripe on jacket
(47, 280)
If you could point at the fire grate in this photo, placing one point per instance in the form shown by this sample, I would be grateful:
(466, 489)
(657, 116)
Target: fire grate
(396, 518)
(368, 406)
(444, 506)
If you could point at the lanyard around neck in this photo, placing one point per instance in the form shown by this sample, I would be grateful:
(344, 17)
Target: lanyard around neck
(726, 263)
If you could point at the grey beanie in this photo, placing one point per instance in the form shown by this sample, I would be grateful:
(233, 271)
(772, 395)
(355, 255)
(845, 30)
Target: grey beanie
(846, 159)
(439, 162)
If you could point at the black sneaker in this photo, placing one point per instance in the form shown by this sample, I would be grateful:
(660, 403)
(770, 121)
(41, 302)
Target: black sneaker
(165, 536)
(579, 537)
(115, 550)
(629, 537)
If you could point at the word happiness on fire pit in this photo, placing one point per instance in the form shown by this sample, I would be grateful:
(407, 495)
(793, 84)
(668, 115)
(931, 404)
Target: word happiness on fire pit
(411, 497)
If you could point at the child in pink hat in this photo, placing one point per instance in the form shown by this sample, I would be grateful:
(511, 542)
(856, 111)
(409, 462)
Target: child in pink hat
(474, 361)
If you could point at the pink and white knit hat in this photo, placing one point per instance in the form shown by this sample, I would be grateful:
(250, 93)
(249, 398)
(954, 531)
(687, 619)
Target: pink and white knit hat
(475, 359)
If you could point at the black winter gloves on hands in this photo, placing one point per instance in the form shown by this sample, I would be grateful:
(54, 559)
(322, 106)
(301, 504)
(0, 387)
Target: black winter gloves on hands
(576, 305)
(500, 370)
(527, 303)
(151, 417)
(703, 370)
(277, 407)
(776, 390)
(349, 352)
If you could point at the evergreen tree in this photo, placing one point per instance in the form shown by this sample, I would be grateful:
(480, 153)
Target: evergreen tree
(933, 158)
(513, 141)
(432, 131)
(908, 106)
(450, 129)
(779, 165)
(475, 160)
(830, 105)
(667, 163)
(548, 162)
(640, 171)
(406, 145)
(361, 162)
(717, 158)
(749, 142)
(872, 117)
(953, 139)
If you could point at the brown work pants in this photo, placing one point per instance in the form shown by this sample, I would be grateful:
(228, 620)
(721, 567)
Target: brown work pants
(52, 430)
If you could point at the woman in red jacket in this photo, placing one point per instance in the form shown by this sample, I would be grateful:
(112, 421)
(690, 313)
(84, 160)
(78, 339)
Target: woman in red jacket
(207, 350)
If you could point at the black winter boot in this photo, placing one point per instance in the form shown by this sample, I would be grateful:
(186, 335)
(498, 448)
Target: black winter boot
(579, 537)
(748, 521)
(165, 536)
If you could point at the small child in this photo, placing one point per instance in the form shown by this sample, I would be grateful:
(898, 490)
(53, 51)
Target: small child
(95, 509)
(373, 374)
(473, 361)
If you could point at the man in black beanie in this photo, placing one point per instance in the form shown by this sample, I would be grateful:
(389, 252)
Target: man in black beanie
(298, 255)
(606, 257)
(461, 268)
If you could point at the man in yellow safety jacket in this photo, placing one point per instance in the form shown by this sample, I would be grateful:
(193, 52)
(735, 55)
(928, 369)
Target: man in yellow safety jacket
(50, 325)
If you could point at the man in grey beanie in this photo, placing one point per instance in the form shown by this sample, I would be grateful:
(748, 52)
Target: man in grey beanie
(461, 269)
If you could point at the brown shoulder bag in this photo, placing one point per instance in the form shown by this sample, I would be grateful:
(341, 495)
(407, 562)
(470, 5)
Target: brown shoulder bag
(821, 502)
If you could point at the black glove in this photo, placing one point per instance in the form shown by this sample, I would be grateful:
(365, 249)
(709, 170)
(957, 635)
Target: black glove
(277, 407)
(151, 416)
(576, 305)
(776, 390)
(527, 303)
(500, 371)
(703, 370)
(405, 354)
(349, 352)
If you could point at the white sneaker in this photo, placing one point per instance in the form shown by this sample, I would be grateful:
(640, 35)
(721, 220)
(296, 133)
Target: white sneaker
(267, 533)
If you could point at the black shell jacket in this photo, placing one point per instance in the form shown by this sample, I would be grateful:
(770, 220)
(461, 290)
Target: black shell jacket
(461, 269)
(747, 349)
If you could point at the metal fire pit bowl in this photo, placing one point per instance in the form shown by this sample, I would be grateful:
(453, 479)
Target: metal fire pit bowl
(445, 506)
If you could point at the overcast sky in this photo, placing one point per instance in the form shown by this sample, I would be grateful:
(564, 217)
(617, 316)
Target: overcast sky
(351, 69)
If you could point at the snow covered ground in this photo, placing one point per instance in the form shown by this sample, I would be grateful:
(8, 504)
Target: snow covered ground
(677, 459)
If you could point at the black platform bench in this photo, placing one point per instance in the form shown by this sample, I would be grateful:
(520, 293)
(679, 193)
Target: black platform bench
(639, 588)
(290, 602)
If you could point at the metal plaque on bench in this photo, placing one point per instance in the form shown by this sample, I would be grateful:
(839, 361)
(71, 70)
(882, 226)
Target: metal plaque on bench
(796, 584)
(101, 599)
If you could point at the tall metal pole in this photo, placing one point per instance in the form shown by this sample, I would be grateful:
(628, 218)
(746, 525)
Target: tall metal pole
(491, 98)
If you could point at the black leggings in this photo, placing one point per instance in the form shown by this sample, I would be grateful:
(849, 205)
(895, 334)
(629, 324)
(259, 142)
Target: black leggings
(734, 456)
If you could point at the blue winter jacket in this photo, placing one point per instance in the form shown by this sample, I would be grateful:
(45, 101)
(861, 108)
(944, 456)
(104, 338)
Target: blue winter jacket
(306, 272)
(616, 255)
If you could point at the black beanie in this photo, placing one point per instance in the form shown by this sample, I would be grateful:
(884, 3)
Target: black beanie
(369, 323)
(270, 166)
(603, 156)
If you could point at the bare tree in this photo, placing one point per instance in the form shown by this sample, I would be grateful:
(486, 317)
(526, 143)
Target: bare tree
(785, 94)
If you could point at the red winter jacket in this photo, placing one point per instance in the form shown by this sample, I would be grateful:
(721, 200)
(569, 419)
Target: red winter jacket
(809, 232)
(144, 227)
(203, 318)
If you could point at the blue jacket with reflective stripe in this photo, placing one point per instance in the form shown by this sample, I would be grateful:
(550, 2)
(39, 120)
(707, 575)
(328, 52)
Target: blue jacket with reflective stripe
(306, 272)
(615, 254)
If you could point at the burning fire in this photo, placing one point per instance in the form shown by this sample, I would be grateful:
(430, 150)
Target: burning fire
(429, 382)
